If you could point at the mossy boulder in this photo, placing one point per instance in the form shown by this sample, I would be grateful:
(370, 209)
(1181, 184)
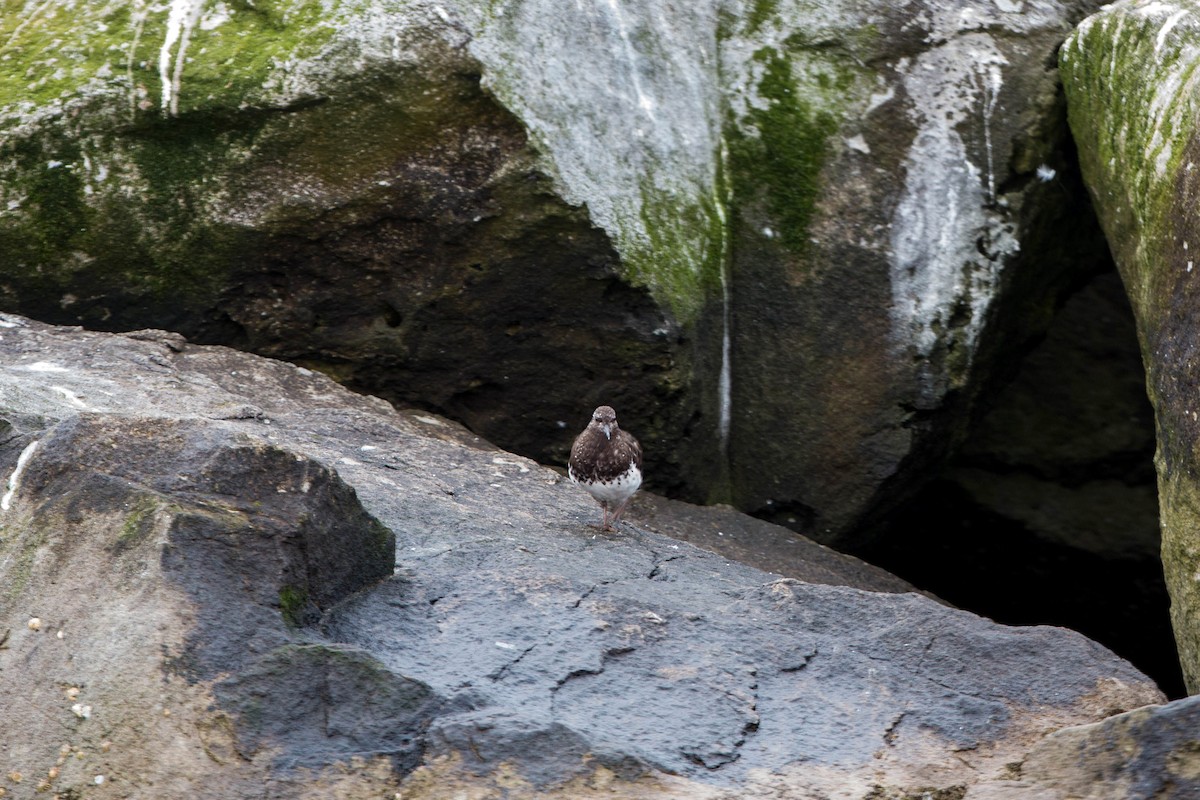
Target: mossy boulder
(328, 183)
(903, 218)
(1129, 77)
(787, 240)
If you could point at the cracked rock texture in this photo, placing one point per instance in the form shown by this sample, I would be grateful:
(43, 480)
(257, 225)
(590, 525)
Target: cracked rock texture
(790, 240)
(199, 597)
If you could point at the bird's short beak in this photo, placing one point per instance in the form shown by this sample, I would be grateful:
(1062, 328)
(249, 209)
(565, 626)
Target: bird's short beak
(607, 428)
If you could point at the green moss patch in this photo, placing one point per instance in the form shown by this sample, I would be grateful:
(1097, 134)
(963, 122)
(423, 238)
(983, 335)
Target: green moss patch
(784, 161)
(681, 257)
(59, 51)
(1129, 77)
(293, 603)
(778, 152)
(139, 523)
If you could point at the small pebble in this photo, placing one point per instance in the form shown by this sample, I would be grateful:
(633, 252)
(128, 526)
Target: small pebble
(15, 776)
(99, 779)
(82, 711)
(34, 624)
(105, 746)
(59, 634)
(73, 692)
(53, 773)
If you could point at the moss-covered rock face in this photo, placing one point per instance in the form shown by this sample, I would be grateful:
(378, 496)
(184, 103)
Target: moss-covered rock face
(1129, 73)
(777, 236)
(328, 183)
(889, 237)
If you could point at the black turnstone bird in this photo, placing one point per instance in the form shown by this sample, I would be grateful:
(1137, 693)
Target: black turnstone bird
(606, 461)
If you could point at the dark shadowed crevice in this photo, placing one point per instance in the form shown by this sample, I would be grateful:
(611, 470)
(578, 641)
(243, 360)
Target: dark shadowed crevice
(1048, 513)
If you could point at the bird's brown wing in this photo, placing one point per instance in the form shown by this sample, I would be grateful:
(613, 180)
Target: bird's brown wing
(630, 448)
(596, 458)
(584, 455)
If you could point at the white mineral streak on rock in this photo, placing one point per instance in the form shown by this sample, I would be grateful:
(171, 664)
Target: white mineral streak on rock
(992, 81)
(724, 379)
(1172, 20)
(942, 284)
(72, 398)
(30, 16)
(1172, 106)
(14, 480)
(45, 366)
(879, 98)
(632, 60)
(218, 16)
(858, 144)
(181, 19)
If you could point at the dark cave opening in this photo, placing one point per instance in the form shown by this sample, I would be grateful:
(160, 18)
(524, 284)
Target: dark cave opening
(1048, 512)
(946, 543)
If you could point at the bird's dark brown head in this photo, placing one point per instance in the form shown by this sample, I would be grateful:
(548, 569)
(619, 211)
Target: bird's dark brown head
(606, 419)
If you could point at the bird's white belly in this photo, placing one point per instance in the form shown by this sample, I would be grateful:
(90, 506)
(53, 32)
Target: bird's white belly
(615, 491)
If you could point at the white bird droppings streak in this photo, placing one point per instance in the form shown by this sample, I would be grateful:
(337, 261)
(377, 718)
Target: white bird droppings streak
(72, 398)
(15, 479)
(644, 101)
(45, 366)
(181, 19)
(1171, 22)
(946, 206)
(724, 379)
(992, 83)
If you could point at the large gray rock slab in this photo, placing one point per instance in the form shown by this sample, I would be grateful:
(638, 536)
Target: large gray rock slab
(195, 567)
(749, 540)
(789, 240)
(1128, 73)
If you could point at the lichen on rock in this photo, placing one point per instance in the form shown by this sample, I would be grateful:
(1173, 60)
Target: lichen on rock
(1130, 76)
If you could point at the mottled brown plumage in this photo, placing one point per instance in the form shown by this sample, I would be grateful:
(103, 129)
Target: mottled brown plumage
(607, 462)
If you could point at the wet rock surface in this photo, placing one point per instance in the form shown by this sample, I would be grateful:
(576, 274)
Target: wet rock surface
(180, 497)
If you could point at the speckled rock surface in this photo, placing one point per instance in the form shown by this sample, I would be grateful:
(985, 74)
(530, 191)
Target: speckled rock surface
(787, 239)
(1129, 76)
(207, 530)
(1150, 752)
